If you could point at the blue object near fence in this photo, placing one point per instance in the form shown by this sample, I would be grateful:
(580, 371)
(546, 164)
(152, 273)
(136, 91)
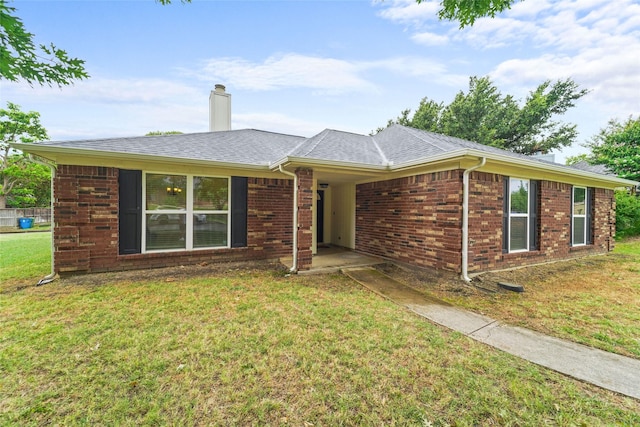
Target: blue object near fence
(25, 222)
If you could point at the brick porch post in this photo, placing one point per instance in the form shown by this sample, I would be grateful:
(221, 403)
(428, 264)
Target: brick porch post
(305, 217)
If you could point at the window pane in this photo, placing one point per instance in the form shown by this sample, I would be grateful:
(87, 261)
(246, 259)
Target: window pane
(578, 231)
(518, 233)
(519, 195)
(166, 231)
(210, 194)
(209, 230)
(579, 198)
(166, 192)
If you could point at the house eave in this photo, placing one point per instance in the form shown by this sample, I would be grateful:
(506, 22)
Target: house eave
(527, 166)
(57, 154)
(289, 162)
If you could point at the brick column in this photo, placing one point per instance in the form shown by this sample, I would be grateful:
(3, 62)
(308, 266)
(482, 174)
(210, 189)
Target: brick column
(85, 207)
(305, 217)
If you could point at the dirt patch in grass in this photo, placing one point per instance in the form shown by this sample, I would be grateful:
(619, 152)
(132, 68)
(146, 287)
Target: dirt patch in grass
(593, 301)
(176, 274)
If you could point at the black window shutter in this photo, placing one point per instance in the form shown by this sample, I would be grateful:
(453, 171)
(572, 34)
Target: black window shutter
(534, 194)
(505, 216)
(130, 211)
(239, 188)
(590, 215)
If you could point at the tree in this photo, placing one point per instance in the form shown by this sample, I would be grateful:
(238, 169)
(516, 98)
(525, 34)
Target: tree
(617, 147)
(15, 168)
(20, 59)
(464, 11)
(627, 214)
(31, 183)
(485, 116)
(467, 11)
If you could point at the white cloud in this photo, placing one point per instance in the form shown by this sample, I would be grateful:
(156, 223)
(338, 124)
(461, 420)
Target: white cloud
(106, 90)
(430, 39)
(409, 12)
(321, 75)
(289, 70)
(275, 122)
(527, 9)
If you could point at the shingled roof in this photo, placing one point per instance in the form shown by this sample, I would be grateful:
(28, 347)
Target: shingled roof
(394, 146)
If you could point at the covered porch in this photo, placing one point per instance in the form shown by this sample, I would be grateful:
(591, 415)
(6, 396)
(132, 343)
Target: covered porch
(331, 259)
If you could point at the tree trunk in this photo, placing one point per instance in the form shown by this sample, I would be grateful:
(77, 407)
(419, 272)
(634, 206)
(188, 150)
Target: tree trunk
(3, 202)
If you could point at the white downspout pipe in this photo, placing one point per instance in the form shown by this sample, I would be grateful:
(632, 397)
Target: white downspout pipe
(51, 276)
(465, 218)
(294, 267)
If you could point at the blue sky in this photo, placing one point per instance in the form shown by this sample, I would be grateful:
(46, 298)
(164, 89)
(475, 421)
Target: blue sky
(302, 66)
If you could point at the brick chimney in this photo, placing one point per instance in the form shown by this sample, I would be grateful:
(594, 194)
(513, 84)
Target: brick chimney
(219, 109)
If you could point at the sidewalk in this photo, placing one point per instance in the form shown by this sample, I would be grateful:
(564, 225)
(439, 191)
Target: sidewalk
(607, 370)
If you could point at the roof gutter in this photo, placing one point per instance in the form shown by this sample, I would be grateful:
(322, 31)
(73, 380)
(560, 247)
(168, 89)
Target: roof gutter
(51, 276)
(524, 162)
(352, 166)
(465, 218)
(294, 267)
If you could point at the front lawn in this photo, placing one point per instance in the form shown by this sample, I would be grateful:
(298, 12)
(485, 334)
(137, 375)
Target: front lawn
(233, 346)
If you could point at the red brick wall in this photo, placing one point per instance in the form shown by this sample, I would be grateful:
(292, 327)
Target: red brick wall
(86, 224)
(415, 220)
(418, 220)
(554, 224)
(270, 216)
(305, 217)
(86, 218)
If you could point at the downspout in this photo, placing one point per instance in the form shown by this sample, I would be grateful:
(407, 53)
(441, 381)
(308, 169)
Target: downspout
(51, 276)
(294, 267)
(465, 218)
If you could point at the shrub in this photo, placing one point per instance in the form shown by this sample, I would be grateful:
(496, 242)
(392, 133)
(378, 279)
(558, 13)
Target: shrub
(627, 214)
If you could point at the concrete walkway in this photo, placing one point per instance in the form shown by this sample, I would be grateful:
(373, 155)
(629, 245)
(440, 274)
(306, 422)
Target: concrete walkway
(607, 370)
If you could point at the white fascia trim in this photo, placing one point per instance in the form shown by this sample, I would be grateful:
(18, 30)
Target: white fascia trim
(352, 166)
(533, 164)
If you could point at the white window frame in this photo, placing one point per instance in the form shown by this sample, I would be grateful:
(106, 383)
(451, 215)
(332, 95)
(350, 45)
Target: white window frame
(583, 216)
(520, 215)
(189, 212)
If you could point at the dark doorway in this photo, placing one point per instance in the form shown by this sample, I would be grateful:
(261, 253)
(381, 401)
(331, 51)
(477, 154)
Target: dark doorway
(320, 217)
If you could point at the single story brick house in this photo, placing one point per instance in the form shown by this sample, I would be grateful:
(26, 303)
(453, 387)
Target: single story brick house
(404, 194)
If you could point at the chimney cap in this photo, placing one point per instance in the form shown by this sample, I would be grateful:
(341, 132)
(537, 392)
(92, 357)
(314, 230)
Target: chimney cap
(220, 88)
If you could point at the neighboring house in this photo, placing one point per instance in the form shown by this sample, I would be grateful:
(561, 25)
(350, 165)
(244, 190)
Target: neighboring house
(404, 194)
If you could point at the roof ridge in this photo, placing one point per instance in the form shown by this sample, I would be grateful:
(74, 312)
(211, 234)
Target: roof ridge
(321, 136)
(385, 160)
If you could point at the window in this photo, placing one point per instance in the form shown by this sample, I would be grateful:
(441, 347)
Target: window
(518, 214)
(185, 212)
(581, 216)
(520, 227)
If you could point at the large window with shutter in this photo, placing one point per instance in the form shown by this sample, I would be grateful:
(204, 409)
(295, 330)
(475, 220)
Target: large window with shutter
(170, 212)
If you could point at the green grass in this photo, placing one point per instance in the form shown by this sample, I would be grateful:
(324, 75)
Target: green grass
(629, 246)
(257, 349)
(593, 301)
(25, 256)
